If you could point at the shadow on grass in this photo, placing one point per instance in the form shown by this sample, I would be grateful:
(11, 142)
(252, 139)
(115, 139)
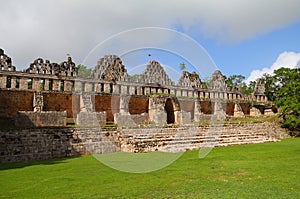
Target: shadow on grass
(17, 165)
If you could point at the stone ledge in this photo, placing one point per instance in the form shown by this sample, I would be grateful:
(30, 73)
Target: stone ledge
(41, 119)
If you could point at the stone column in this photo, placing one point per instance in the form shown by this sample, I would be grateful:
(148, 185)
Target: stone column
(2, 81)
(197, 111)
(131, 90)
(46, 86)
(67, 86)
(124, 102)
(172, 91)
(38, 102)
(124, 90)
(23, 83)
(157, 113)
(233, 96)
(106, 88)
(56, 84)
(36, 84)
(13, 82)
(88, 87)
(207, 95)
(201, 95)
(139, 90)
(147, 90)
(116, 89)
(78, 86)
(123, 118)
(97, 88)
(87, 116)
(219, 113)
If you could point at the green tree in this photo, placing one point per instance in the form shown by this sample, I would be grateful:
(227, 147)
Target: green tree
(283, 89)
(134, 77)
(84, 72)
(182, 66)
(205, 82)
(247, 88)
(234, 79)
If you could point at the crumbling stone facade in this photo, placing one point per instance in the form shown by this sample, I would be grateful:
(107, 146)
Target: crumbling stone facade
(217, 81)
(190, 80)
(40, 144)
(112, 90)
(6, 62)
(41, 119)
(110, 68)
(46, 94)
(155, 74)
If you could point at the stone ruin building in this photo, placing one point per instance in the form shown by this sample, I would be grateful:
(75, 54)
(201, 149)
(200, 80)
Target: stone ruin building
(150, 110)
(113, 96)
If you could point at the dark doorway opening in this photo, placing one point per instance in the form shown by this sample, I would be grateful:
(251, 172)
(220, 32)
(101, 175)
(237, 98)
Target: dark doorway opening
(170, 111)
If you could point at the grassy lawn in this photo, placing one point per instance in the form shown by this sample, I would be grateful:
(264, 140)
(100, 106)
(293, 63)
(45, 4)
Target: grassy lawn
(270, 170)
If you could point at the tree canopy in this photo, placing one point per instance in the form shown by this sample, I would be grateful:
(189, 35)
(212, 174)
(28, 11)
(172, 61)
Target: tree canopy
(84, 72)
(238, 80)
(182, 66)
(234, 79)
(283, 89)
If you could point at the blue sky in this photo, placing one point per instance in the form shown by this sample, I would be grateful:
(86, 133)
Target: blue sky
(254, 53)
(241, 36)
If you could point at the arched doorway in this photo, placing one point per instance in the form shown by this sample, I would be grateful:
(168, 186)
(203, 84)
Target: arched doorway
(169, 107)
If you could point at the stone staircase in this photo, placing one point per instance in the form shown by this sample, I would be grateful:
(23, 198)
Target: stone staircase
(146, 139)
(94, 141)
(192, 138)
(166, 139)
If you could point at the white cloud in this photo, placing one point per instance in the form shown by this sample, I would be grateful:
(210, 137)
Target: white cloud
(53, 28)
(285, 59)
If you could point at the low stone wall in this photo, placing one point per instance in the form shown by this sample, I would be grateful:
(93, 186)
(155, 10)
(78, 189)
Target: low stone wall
(191, 137)
(37, 144)
(40, 119)
(25, 145)
(91, 118)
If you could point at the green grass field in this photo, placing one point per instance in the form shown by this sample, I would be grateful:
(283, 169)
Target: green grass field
(270, 170)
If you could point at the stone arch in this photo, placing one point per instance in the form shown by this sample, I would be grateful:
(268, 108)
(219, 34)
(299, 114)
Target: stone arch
(171, 108)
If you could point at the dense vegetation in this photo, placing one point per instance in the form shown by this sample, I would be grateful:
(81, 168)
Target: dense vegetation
(269, 170)
(283, 89)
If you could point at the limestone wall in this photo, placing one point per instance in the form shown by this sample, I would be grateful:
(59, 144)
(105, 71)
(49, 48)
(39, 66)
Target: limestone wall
(107, 103)
(54, 101)
(138, 105)
(25, 145)
(12, 102)
(40, 119)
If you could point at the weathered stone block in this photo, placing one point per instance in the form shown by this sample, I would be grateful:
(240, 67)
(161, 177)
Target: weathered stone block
(124, 119)
(255, 112)
(269, 112)
(40, 119)
(238, 112)
(91, 118)
(183, 117)
(158, 116)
